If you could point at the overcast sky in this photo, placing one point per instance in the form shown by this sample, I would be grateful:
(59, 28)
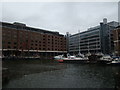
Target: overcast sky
(60, 16)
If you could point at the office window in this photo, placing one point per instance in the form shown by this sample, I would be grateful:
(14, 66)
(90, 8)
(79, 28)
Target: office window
(9, 47)
(15, 43)
(15, 36)
(48, 48)
(9, 42)
(15, 47)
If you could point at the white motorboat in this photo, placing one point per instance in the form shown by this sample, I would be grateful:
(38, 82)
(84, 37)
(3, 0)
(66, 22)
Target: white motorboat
(73, 59)
(115, 60)
(106, 58)
(58, 57)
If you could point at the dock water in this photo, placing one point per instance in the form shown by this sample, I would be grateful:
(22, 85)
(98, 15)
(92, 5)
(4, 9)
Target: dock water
(51, 74)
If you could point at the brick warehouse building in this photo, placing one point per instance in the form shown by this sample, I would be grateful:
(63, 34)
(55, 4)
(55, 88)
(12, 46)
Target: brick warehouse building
(116, 38)
(21, 40)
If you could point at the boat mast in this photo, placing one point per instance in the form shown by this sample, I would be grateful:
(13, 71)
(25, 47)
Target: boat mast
(88, 46)
(79, 41)
(96, 45)
(117, 42)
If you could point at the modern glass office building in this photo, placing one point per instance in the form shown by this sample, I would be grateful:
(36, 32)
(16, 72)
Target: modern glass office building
(94, 40)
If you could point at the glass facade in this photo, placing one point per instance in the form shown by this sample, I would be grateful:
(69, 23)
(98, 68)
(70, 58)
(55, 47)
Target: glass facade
(96, 39)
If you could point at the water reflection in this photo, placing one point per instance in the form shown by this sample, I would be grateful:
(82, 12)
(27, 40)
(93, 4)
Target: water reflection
(63, 75)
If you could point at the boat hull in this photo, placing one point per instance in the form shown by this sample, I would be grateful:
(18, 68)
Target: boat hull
(103, 61)
(73, 61)
(114, 64)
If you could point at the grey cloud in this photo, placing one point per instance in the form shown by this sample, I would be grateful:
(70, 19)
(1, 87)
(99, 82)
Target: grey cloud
(62, 17)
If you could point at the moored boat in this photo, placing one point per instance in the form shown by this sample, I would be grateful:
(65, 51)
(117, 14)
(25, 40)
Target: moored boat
(73, 59)
(105, 59)
(58, 57)
(116, 60)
